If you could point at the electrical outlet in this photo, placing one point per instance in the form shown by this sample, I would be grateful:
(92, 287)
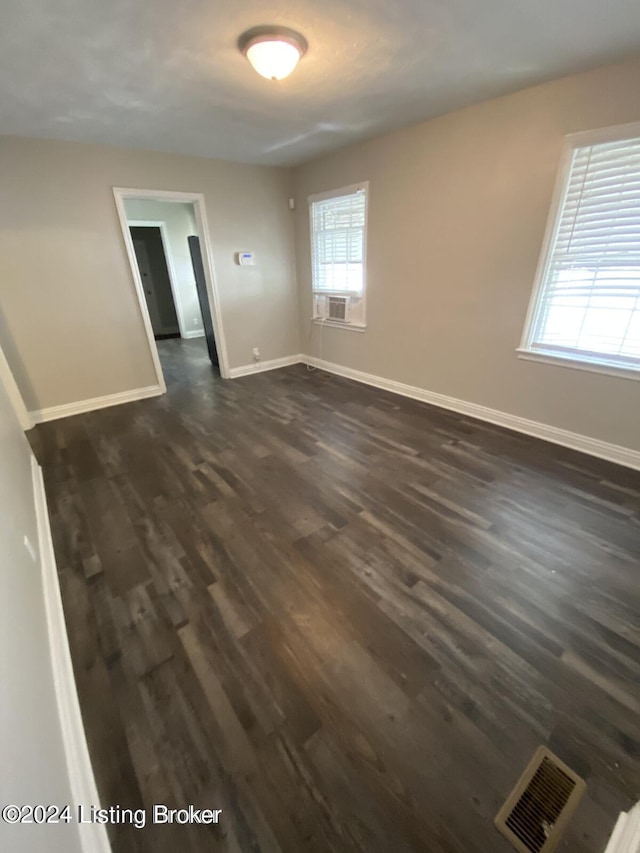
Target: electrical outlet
(195, 321)
(30, 548)
(256, 354)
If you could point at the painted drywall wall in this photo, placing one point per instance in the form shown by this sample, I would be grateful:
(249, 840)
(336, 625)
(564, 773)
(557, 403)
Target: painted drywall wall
(180, 224)
(31, 752)
(69, 317)
(457, 212)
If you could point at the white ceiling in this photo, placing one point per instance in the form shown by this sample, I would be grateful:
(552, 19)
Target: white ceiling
(166, 74)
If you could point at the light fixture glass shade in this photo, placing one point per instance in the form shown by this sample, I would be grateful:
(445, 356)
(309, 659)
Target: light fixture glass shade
(274, 60)
(273, 51)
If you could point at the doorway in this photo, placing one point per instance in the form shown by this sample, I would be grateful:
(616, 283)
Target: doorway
(154, 272)
(167, 242)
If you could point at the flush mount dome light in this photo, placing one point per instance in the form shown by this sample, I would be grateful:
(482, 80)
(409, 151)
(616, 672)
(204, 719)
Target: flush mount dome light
(273, 51)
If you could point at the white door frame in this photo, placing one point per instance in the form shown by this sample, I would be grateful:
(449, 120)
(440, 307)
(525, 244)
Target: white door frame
(197, 199)
(159, 223)
(13, 392)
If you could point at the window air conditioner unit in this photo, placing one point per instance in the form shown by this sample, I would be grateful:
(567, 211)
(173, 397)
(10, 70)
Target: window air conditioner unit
(334, 308)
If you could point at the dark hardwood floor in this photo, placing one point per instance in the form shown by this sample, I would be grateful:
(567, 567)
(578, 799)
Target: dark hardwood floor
(345, 618)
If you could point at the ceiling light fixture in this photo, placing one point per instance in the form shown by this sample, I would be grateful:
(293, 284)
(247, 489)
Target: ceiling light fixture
(273, 51)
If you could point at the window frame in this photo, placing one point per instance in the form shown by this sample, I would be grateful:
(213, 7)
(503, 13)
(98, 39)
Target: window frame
(599, 363)
(360, 324)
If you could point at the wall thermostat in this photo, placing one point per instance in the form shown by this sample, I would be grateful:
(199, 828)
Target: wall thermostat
(246, 259)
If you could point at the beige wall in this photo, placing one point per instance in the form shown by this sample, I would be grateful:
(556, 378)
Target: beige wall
(180, 225)
(457, 212)
(457, 209)
(31, 751)
(70, 323)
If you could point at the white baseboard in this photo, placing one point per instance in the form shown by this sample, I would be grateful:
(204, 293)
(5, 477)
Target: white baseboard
(261, 366)
(626, 834)
(576, 441)
(93, 836)
(82, 406)
(196, 333)
(592, 446)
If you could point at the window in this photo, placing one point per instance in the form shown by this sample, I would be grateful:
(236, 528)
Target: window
(585, 308)
(338, 255)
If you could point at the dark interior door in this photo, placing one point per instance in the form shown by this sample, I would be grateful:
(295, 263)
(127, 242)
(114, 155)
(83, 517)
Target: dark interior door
(203, 296)
(152, 264)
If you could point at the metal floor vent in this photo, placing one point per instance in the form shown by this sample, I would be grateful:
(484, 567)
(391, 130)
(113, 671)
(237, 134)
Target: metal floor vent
(540, 806)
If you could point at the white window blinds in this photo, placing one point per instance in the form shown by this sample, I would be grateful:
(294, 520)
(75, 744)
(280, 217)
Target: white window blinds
(589, 301)
(337, 243)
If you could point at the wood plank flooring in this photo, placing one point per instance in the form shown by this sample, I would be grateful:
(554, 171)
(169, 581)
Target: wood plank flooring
(345, 618)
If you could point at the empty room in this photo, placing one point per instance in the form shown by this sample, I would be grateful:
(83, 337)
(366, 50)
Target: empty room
(320, 427)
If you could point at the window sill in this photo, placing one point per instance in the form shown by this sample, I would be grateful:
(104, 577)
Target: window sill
(332, 324)
(580, 364)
